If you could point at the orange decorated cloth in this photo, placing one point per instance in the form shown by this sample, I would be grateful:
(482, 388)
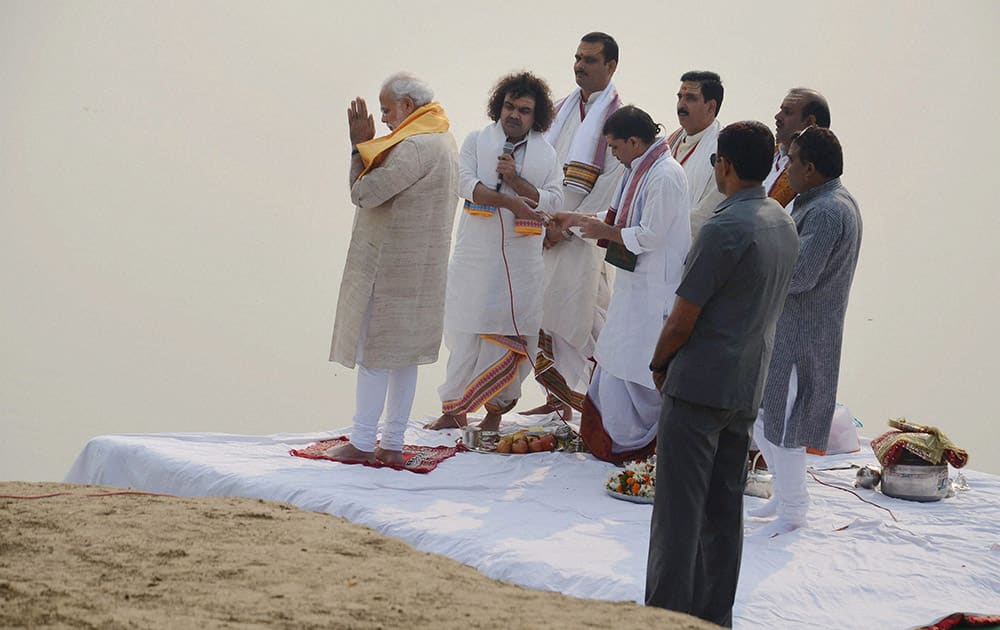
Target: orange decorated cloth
(927, 443)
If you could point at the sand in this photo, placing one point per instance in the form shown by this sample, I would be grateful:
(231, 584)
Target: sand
(147, 561)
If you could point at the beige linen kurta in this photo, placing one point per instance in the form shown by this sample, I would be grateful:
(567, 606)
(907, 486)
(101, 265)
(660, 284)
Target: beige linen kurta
(398, 257)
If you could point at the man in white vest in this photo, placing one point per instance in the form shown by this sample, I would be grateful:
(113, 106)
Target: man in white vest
(698, 103)
(576, 286)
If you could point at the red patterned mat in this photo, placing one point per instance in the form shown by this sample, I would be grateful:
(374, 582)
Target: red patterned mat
(964, 620)
(418, 459)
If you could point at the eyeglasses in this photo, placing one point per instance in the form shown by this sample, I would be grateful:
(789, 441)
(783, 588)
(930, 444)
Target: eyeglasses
(712, 159)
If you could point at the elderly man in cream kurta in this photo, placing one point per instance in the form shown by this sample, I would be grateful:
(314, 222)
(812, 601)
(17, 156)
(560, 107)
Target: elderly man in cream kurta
(391, 306)
(698, 102)
(577, 290)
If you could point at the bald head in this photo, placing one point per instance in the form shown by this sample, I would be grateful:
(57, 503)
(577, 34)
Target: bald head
(801, 108)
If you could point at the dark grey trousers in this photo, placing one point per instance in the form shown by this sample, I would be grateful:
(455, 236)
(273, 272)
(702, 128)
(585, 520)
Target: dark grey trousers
(696, 532)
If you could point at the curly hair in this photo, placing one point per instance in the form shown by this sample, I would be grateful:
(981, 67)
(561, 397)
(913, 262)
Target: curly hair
(520, 85)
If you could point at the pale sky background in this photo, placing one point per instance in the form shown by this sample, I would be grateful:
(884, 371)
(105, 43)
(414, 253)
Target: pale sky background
(174, 209)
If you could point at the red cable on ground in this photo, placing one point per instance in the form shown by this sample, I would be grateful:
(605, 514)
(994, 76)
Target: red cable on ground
(513, 320)
(830, 485)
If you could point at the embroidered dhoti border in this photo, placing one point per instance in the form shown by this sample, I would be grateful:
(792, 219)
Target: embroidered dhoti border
(556, 387)
(488, 385)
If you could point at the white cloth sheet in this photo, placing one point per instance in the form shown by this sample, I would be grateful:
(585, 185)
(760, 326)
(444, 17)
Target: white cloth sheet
(544, 521)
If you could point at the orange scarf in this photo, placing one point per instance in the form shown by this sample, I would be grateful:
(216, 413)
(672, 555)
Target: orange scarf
(429, 118)
(781, 190)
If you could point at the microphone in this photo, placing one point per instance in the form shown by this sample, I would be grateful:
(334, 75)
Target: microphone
(508, 149)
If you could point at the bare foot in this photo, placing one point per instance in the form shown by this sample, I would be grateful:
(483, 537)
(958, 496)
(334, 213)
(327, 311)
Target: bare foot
(491, 422)
(350, 454)
(392, 458)
(564, 411)
(447, 421)
(545, 409)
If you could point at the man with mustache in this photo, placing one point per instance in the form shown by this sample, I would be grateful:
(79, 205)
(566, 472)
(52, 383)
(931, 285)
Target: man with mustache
(801, 108)
(577, 293)
(508, 175)
(698, 103)
(390, 310)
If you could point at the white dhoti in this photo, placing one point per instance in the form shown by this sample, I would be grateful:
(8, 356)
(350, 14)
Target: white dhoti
(484, 370)
(629, 411)
(619, 418)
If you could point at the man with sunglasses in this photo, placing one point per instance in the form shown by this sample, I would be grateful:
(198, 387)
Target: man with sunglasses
(710, 364)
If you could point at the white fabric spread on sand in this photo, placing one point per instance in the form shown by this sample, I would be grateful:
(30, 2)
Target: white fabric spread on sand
(544, 521)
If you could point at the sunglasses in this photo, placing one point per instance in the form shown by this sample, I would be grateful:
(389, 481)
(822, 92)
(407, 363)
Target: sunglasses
(712, 159)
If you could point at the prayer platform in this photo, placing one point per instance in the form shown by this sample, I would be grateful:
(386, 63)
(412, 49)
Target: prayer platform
(544, 521)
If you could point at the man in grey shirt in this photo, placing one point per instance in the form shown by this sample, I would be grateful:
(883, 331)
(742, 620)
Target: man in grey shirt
(711, 365)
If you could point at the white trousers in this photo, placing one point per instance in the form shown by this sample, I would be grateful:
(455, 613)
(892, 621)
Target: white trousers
(376, 387)
(787, 466)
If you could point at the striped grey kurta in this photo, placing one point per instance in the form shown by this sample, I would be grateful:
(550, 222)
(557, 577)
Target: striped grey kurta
(398, 256)
(811, 327)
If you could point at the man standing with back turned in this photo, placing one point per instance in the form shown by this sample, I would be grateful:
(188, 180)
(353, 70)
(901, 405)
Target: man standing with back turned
(576, 286)
(390, 310)
(711, 364)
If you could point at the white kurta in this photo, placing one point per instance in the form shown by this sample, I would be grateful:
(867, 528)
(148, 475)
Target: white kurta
(694, 152)
(478, 297)
(659, 232)
(575, 305)
(778, 166)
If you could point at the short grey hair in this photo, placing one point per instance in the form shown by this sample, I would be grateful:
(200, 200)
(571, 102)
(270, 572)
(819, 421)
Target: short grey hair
(403, 84)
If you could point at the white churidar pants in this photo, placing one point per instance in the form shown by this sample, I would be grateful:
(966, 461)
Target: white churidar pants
(375, 388)
(787, 466)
